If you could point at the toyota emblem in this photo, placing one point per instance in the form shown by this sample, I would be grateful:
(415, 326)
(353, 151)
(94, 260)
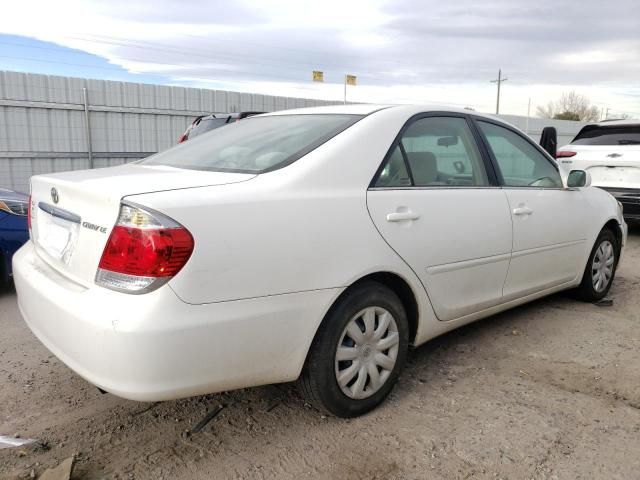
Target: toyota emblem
(54, 195)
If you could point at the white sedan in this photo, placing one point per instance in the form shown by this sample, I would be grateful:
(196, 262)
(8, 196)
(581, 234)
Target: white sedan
(312, 244)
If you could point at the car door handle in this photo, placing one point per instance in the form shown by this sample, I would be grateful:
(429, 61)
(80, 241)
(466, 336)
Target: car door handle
(402, 216)
(522, 211)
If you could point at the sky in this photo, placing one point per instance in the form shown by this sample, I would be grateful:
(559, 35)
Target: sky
(401, 51)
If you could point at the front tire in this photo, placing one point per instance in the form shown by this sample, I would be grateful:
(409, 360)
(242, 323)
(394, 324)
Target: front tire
(601, 268)
(358, 353)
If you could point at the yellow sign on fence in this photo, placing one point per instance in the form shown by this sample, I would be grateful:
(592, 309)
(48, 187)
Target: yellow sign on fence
(351, 80)
(318, 76)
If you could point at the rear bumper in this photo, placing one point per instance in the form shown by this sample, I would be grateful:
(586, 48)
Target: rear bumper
(156, 347)
(630, 200)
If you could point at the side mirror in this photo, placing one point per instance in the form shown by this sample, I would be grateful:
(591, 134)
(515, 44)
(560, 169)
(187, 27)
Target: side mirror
(549, 140)
(578, 178)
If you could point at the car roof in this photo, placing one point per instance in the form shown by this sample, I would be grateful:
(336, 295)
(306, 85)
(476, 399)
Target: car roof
(228, 114)
(218, 115)
(7, 194)
(615, 123)
(366, 109)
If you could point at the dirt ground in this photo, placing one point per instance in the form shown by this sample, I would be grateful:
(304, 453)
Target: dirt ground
(549, 390)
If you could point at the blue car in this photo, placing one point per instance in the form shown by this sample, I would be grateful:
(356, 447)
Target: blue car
(14, 230)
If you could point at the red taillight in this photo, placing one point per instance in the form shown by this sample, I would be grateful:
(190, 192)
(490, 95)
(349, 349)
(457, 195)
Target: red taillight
(145, 249)
(29, 214)
(147, 252)
(565, 154)
(182, 138)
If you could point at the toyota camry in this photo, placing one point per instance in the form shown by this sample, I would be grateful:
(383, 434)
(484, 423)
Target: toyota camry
(314, 244)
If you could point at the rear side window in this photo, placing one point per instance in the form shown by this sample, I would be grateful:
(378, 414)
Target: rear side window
(520, 163)
(605, 135)
(255, 145)
(432, 152)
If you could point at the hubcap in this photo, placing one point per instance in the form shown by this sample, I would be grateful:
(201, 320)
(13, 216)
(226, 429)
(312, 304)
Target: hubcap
(367, 352)
(602, 266)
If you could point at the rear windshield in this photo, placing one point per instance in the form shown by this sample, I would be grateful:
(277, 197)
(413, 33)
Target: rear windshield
(613, 135)
(207, 124)
(255, 145)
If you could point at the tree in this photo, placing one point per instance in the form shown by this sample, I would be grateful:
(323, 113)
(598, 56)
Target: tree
(567, 115)
(570, 106)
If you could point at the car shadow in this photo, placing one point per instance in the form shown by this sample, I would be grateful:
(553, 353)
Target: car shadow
(7, 289)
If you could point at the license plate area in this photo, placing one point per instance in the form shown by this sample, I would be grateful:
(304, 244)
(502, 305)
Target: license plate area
(617, 174)
(57, 231)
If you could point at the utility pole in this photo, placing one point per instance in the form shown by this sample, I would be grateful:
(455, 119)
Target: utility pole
(345, 89)
(528, 115)
(499, 82)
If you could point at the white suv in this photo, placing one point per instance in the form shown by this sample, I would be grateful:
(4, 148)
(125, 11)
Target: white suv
(610, 152)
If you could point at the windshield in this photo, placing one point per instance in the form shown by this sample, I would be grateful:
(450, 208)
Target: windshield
(614, 135)
(255, 145)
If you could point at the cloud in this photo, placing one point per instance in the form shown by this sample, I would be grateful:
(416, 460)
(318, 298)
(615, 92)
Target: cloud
(401, 51)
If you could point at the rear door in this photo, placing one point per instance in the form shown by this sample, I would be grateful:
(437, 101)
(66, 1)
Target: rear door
(549, 221)
(439, 207)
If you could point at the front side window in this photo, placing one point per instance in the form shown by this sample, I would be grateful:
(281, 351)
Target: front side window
(255, 145)
(432, 152)
(520, 163)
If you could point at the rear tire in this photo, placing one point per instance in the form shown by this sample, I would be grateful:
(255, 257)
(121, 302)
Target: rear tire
(601, 268)
(358, 353)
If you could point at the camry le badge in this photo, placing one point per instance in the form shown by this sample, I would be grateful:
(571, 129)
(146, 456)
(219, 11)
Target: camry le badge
(54, 195)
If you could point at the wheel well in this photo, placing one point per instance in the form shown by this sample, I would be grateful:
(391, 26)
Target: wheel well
(616, 230)
(404, 292)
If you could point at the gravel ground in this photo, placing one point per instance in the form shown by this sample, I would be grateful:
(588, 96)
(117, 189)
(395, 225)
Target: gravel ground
(548, 390)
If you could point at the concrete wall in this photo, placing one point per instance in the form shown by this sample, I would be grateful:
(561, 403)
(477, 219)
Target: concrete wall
(42, 121)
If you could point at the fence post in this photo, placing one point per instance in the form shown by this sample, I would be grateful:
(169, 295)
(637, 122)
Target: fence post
(87, 126)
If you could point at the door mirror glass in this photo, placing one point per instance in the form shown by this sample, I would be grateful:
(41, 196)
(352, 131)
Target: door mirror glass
(578, 178)
(549, 140)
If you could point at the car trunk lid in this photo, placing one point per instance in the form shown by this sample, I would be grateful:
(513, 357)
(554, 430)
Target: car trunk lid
(73, 213)
(611, 166)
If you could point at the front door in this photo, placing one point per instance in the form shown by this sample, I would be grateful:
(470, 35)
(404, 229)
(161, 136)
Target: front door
(435, 204)
(549, 221)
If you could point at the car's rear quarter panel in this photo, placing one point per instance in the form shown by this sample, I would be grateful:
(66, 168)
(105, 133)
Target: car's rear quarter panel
(303, 227)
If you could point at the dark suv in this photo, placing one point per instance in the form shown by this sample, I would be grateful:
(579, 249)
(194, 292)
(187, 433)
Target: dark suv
(209, 122)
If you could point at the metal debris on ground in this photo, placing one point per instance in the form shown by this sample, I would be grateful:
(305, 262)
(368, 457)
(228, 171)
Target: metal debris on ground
(10, 442)
(273, 405)
(207, 418)
(61, 472)
(605, 302)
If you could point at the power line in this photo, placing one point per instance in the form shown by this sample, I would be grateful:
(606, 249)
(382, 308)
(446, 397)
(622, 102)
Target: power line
(229, 71)
(121, 70)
